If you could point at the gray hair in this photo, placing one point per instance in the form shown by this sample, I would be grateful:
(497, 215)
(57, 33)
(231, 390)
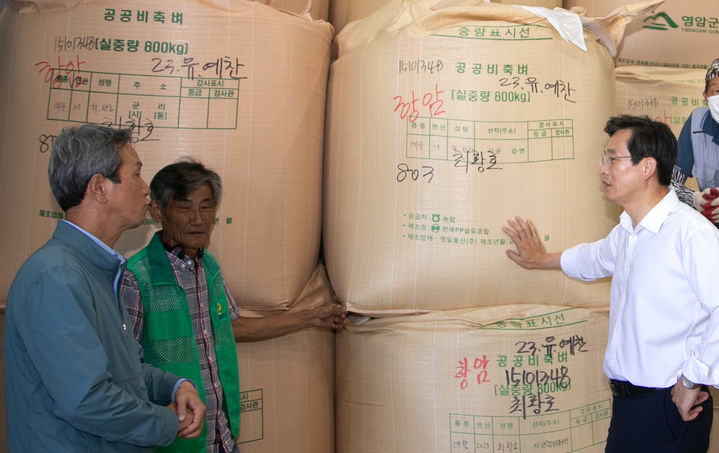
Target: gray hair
(77, 154)
(178, 180)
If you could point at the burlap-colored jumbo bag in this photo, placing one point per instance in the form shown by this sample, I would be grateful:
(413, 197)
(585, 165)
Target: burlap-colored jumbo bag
(677, 34)
(239, 85)
(495, 379)
(287, 385)
(442, 123)
(664, 94)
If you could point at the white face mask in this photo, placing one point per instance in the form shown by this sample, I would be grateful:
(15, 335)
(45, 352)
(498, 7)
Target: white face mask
(713, 104)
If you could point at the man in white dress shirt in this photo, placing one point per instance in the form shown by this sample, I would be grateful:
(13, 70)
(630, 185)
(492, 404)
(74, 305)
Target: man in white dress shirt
(663, 257)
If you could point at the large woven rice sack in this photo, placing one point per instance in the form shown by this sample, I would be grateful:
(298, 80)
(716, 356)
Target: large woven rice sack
(496, 379)
(343, 12)
(441, 125)
(664, 94)
(679, 34)
(239, 85)
(543, 3)
(315, 9)
(287, 385)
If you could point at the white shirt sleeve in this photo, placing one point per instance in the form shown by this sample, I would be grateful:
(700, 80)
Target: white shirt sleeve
(592, 260)
(701, 264)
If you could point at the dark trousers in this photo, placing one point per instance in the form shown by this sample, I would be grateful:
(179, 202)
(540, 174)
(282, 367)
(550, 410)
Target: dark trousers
(650, 423)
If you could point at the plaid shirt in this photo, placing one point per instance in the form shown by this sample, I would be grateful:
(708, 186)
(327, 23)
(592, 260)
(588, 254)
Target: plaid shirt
(190, 276)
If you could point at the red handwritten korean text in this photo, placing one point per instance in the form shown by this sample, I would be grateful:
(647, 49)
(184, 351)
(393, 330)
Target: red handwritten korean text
(409, 109)
(463, 371)
(55, 75)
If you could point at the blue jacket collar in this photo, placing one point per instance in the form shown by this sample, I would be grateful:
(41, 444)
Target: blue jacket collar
(88, 245)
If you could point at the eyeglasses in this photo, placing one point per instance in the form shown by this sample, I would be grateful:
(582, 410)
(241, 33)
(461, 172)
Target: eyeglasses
(607, 160)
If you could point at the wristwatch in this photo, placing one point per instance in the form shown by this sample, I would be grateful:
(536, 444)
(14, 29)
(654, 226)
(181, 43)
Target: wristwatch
(687, 383)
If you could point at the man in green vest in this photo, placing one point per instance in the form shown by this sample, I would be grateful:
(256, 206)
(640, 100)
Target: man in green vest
(180, 307)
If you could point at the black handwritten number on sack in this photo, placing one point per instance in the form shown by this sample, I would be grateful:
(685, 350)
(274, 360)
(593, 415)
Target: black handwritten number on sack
(168, 66)
(46, 142)
(413, 173)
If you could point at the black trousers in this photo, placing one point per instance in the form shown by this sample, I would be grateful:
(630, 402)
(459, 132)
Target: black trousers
(650, 423)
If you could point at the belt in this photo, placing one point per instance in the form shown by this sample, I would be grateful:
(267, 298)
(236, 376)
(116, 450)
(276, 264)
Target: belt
(624, 388)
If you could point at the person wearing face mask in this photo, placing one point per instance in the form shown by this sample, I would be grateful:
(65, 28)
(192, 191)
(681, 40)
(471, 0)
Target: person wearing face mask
(698, 153)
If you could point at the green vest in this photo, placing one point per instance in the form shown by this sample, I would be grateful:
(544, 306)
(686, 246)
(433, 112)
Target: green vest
(167, 337)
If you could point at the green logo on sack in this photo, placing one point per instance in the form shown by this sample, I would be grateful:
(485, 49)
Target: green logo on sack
(660, 21)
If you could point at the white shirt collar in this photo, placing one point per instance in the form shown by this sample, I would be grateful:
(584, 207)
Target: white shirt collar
(656, 216)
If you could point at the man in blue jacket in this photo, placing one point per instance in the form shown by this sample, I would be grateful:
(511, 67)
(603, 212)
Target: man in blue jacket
(74, 377)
